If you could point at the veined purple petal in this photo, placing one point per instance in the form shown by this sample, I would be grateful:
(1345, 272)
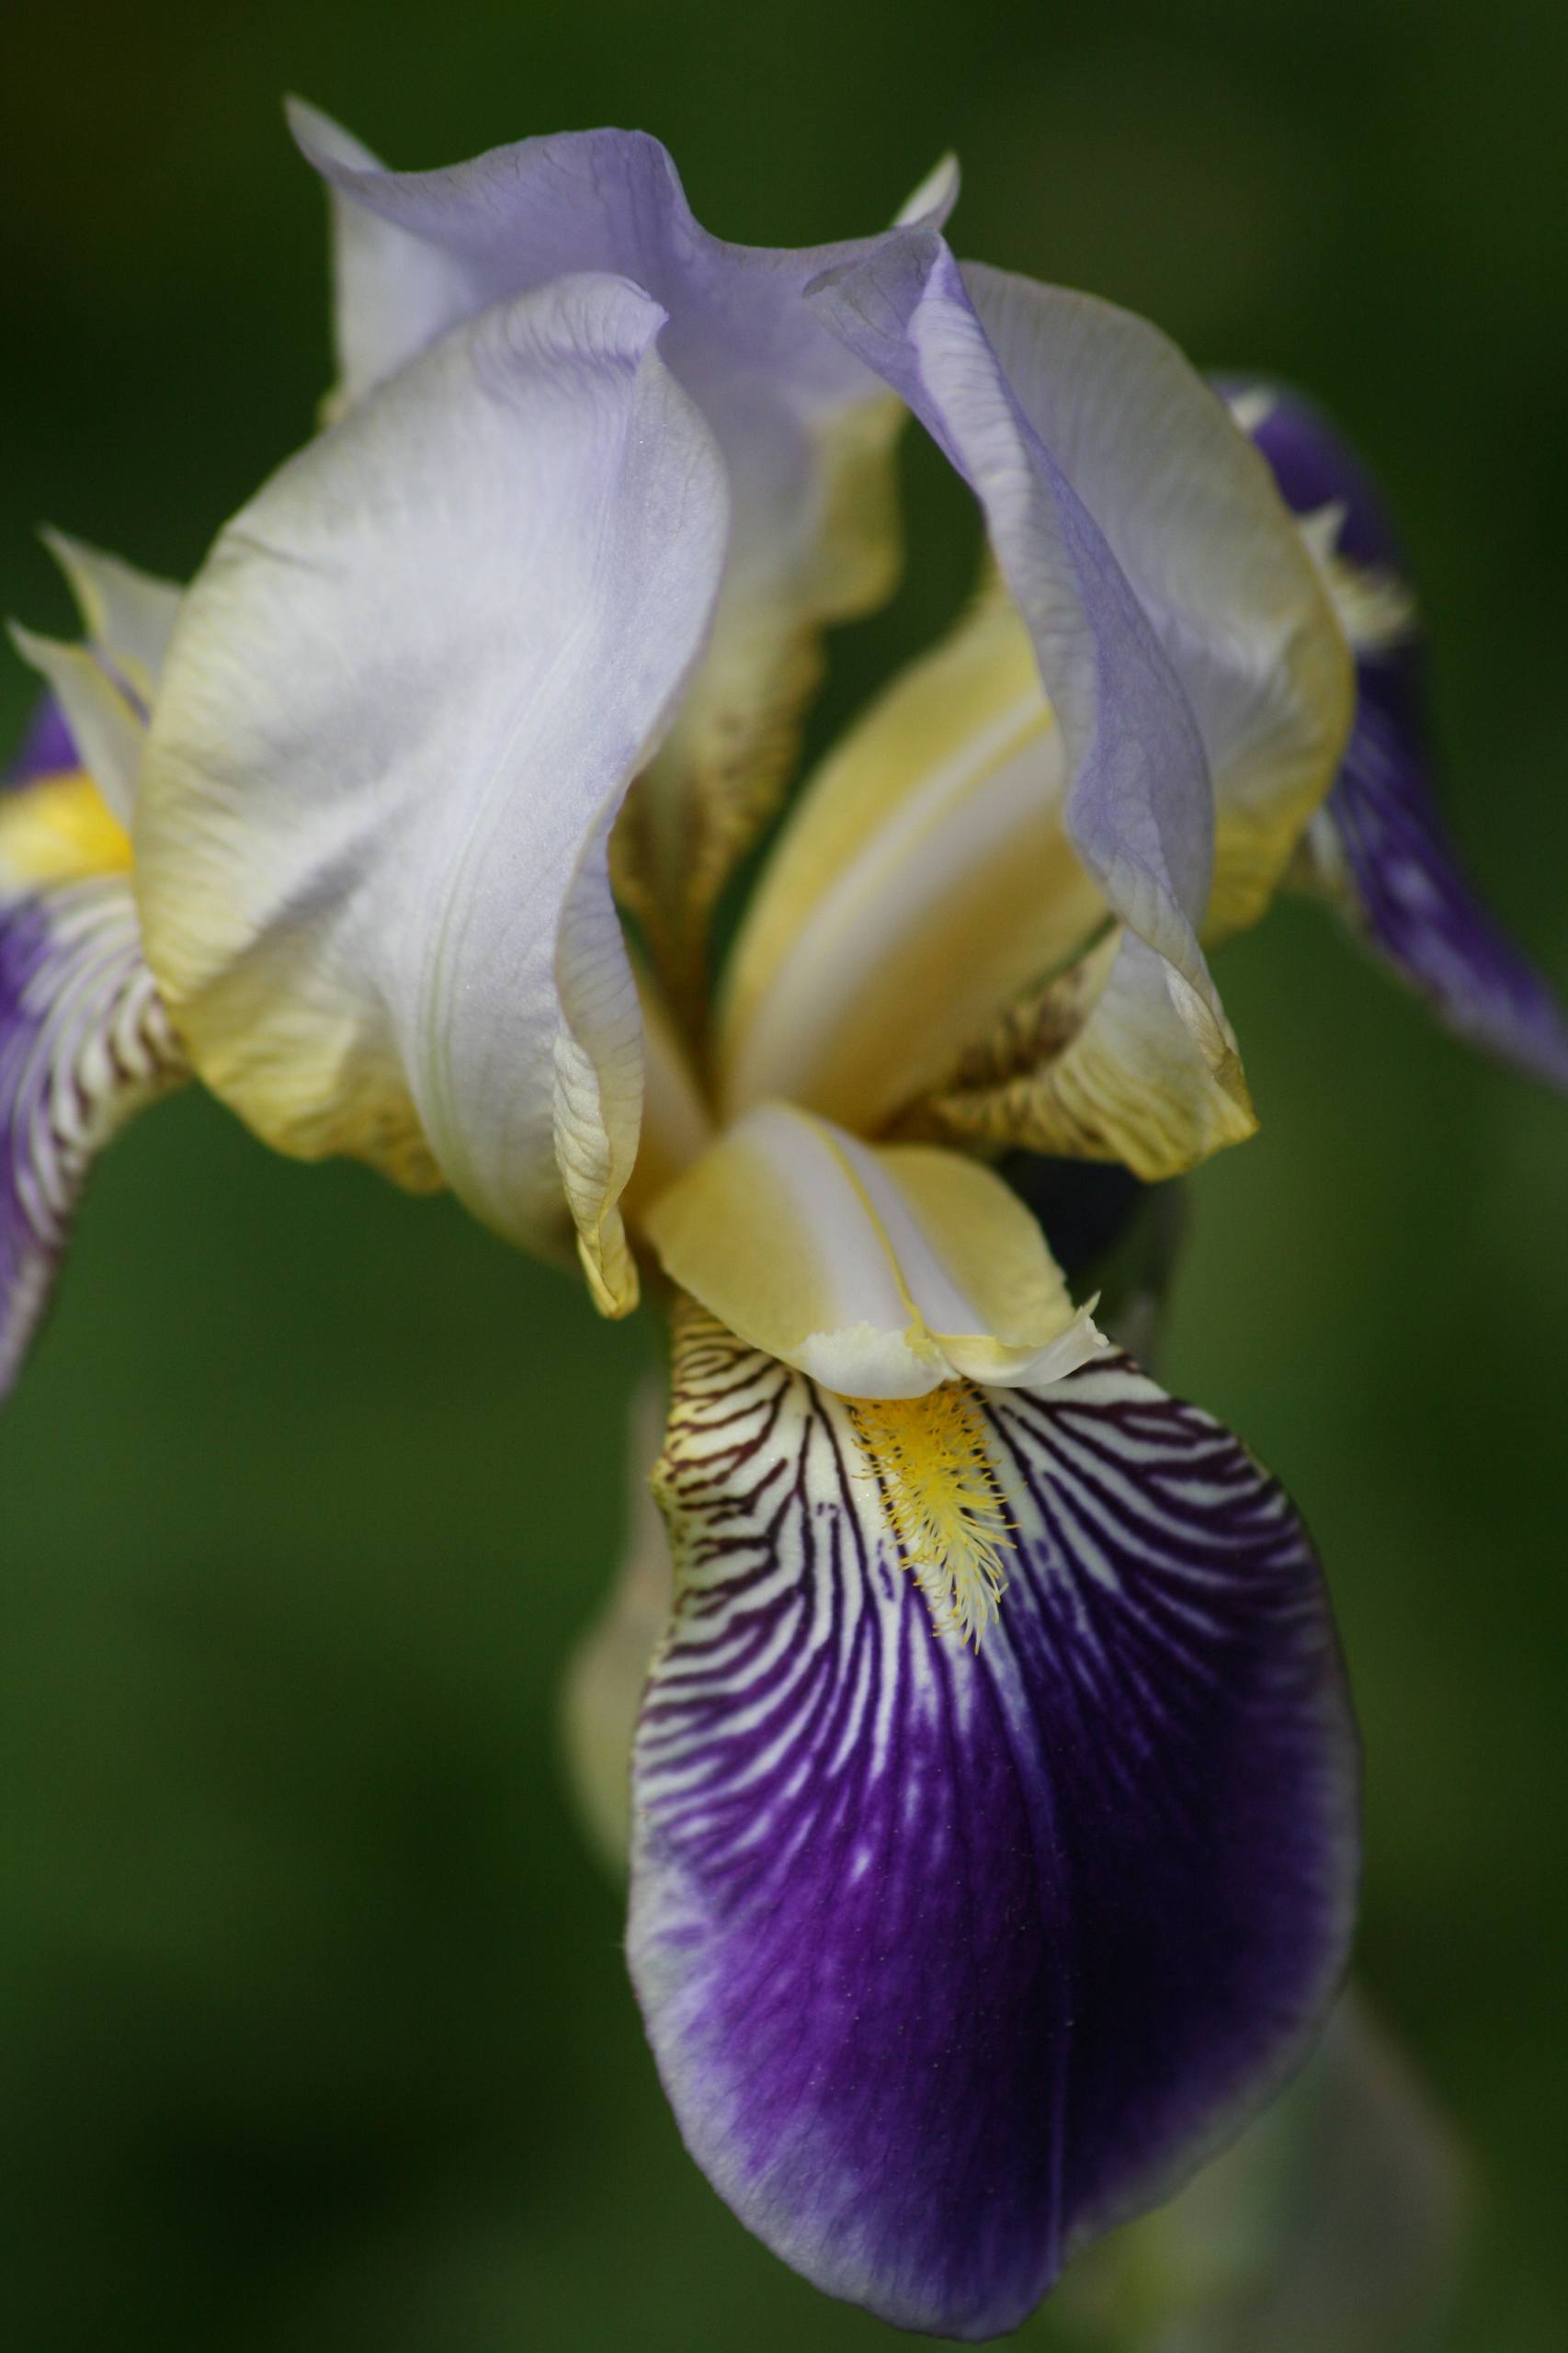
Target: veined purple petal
(84, 1038)
(84, 1043)
(1379, 847)
(950, 1958)
(1315, 468)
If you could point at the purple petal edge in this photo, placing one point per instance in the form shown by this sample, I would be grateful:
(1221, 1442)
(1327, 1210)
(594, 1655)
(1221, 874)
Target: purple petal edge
(952, 1959)
(1381, 847)
(46, 748)
(1138, 808)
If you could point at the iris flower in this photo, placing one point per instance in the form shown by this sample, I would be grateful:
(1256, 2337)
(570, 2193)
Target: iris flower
(993, 1815)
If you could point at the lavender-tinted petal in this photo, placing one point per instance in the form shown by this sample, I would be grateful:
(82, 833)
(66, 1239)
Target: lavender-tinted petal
(950, 1958)
(1379, 847)
(806, 434)
(1139, 807)
(568, 204)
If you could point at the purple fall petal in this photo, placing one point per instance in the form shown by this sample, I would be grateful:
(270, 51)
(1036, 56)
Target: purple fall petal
(1378, 847)
(952, 1959)
(1315, 468)
(1414, 906)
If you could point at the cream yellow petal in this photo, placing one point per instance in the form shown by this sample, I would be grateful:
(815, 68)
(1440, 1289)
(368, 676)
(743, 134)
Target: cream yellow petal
(924, 880)
(1150, 1076)
(677, 1125)
(60, 830)
(879, 1274)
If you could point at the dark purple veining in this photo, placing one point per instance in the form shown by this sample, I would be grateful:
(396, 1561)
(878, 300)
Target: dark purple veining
(950, 1958)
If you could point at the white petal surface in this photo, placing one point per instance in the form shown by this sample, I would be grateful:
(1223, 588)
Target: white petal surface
(405, 695)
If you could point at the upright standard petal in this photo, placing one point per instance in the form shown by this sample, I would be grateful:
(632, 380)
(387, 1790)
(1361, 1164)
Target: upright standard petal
(1138, 808)
(406, 697)
(84, 1039)
(806, 434)
(952, 1957)
(1379, 849)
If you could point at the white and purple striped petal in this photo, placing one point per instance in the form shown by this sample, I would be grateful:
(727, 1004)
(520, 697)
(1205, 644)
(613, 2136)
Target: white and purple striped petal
(1379, 847)
(84, 1038)
(952, 1957)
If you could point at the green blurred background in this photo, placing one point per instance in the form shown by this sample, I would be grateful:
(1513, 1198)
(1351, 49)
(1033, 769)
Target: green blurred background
(314, 2030)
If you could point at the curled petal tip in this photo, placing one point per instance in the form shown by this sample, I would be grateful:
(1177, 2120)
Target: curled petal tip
(933, 201)
(323, 142)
